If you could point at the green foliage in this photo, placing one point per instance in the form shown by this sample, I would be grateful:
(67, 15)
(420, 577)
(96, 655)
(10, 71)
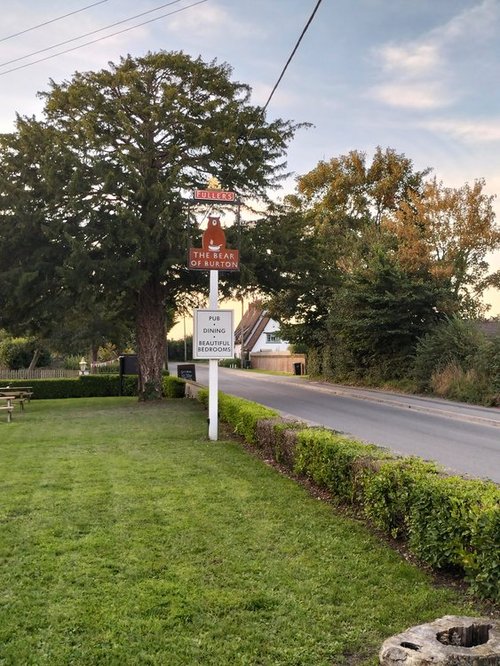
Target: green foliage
(456, 360)
(378, 316)
(388, 493)
(489, 364)
(243, 415)
(455, 523)
(16, 353)
(277, 438)
(454, 383)
(453, 341)
(230, 363)
(94, 195)
(92, 386)
(178, 350)
(449, 522)
(87, 386)
(174, 387)
(111, 369)
(482, 561)
(333, 462)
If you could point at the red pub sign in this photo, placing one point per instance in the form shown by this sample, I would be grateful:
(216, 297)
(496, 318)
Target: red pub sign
(213, 255)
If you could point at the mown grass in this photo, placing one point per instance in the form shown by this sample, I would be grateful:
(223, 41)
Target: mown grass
(127, 538)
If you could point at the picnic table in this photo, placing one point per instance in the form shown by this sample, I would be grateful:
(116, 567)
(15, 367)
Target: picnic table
(20, 394)
(8, 406)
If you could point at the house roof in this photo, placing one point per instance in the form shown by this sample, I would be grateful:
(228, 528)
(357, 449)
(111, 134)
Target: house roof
(252, 324)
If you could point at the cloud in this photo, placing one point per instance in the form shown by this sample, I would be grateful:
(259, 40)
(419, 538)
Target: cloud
(473, 131)
(410, 60)
(478, 22)
(422, 73)
(412, 95)
(202, 21)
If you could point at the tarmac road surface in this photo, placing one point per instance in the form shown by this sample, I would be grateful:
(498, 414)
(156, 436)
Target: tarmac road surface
(464, 439)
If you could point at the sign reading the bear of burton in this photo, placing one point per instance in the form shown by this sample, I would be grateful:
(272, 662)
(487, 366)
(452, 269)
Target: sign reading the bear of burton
(213, 335)
(213, 255)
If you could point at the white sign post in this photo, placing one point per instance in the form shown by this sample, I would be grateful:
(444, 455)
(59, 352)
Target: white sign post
(213, 329)
(213, 338)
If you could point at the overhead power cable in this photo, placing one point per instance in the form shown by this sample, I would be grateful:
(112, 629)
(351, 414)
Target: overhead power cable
(100, 39)
(87, 34)
(58, 18)
(292, 54)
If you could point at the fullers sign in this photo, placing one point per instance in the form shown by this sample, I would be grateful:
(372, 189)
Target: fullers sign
(214, 195)
(213, 255)
(213, 336)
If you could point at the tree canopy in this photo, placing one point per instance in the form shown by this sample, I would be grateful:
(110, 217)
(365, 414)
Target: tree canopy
(96, 190)
(382, 253)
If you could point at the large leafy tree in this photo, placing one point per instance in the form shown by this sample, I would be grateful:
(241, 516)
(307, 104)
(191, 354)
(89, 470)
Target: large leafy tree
(448, 232)
(325, 233)
(135, 139)
(382, 253)
(379, 314)
(35, 233)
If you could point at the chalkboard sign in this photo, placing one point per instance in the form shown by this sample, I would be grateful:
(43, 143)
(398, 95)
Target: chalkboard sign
(187, 371)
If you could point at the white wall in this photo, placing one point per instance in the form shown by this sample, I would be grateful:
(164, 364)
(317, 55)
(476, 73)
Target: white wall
(262, 345)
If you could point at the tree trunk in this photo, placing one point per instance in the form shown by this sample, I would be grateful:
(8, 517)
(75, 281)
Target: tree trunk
(151, 339)
(34, 359)
(94, 352)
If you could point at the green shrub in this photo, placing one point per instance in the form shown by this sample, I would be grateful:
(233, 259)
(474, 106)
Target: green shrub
(454, 523)
(16, 353)
(463, 385)
(333, 461)
(241, 414)
(278, 439)
(87, 386)
(482, 562)
(230, 363)
(388, 493)
(111, 369)
(174, 387)
(94, 386)
(449, 522)
(453, 341)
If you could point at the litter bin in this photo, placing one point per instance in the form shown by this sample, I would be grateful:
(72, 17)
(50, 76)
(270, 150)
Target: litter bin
(297, 368)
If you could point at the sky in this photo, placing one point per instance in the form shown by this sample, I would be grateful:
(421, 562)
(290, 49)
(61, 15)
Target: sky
(421, 77)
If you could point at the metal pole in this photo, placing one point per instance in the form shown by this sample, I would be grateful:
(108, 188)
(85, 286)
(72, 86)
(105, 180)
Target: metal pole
(185, 340)
(242, 355)
(213, 367)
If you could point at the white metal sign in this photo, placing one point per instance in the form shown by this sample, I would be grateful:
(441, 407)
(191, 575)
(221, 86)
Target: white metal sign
(213, 335)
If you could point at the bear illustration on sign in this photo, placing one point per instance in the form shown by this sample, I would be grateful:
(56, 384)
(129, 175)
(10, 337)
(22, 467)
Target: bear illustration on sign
(214, 238)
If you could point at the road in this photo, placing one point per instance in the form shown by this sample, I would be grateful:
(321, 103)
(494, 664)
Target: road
(462, 438)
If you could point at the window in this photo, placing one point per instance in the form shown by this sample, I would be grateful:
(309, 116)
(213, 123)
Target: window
(272, 337)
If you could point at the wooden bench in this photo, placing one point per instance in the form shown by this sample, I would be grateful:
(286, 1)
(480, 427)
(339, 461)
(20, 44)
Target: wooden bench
(20, 394)
(8, 407)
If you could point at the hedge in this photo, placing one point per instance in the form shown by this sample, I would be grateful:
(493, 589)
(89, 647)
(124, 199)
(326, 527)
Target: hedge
(242, 414)
(93, 386)
(449, 523)
(174, 387)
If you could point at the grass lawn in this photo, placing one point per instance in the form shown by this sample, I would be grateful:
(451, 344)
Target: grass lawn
(128, 538)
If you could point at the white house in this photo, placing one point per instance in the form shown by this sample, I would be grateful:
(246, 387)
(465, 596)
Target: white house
(257, 333)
